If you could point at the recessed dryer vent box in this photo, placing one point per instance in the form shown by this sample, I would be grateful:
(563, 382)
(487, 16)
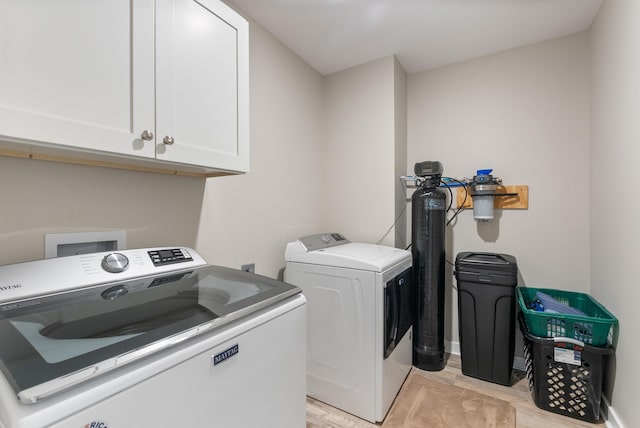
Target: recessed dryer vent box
(71, 244)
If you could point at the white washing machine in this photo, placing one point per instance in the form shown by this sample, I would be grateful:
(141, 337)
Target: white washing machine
(149, 338)
(359, 322)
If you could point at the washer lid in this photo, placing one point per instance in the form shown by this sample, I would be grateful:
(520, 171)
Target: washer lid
(376, 258)
(50, 343)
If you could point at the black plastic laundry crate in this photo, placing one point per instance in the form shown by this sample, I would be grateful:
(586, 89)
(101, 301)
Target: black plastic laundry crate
(565, 375)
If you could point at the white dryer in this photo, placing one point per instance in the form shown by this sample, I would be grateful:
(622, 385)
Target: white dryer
(359, 322)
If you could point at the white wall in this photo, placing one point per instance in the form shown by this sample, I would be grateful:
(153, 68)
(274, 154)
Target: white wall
(400, 164)
(41, 197)
(615, 174)
(358, 160)
(524, 113)
(249, 219)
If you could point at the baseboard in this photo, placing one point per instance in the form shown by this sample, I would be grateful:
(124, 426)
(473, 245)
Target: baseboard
(519, 363)
(452, 348)
(611, 418)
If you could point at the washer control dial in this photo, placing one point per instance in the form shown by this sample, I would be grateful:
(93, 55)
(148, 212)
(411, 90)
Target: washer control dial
(115, 262)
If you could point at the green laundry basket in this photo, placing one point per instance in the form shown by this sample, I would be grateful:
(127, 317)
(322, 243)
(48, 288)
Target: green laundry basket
(598, 327)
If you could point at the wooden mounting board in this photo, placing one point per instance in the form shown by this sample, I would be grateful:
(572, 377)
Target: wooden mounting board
(519, 201)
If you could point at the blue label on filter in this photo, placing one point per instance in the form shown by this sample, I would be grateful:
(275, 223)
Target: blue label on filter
(225, 355)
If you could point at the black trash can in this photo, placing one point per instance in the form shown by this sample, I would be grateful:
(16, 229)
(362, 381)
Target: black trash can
(486, 314)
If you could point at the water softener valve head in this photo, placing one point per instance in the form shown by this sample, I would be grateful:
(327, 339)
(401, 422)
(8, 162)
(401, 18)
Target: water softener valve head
(428, 169)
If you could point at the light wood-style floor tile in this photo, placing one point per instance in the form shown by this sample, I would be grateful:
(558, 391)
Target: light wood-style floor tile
(321, 415)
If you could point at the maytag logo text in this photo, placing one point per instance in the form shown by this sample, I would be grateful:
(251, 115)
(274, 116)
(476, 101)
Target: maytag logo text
(10, 287)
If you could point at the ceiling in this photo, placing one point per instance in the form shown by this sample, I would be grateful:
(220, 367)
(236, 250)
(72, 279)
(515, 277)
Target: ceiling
(333, 35)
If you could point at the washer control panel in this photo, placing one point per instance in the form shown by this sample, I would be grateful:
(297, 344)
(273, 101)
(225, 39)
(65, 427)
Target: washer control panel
(23, 281)
(169, 256)
(323, 240)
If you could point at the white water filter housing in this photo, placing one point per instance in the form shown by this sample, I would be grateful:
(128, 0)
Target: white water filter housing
(483, 207)
(483, 189)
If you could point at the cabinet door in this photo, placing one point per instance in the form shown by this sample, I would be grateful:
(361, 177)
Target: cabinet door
(74, 73)
(202, 84)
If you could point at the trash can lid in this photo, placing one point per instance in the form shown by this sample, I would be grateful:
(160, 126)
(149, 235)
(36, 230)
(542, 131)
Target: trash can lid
(495, 262)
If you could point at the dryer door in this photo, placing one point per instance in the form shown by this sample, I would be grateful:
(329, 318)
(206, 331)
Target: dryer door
(391, 312)
(403, 288)
(397, 315)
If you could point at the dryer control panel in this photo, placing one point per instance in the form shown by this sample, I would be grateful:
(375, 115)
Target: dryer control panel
(323, 240)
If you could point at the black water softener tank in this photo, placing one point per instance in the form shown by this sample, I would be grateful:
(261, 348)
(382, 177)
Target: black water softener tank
(427, 237)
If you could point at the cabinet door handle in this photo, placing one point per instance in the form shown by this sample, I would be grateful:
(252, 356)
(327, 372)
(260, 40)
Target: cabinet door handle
(146, 135)
(168, 140)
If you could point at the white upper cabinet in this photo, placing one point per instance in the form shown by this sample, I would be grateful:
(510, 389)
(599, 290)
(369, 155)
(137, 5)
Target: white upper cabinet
(72, 73)
(164, 81)
(200, 84)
